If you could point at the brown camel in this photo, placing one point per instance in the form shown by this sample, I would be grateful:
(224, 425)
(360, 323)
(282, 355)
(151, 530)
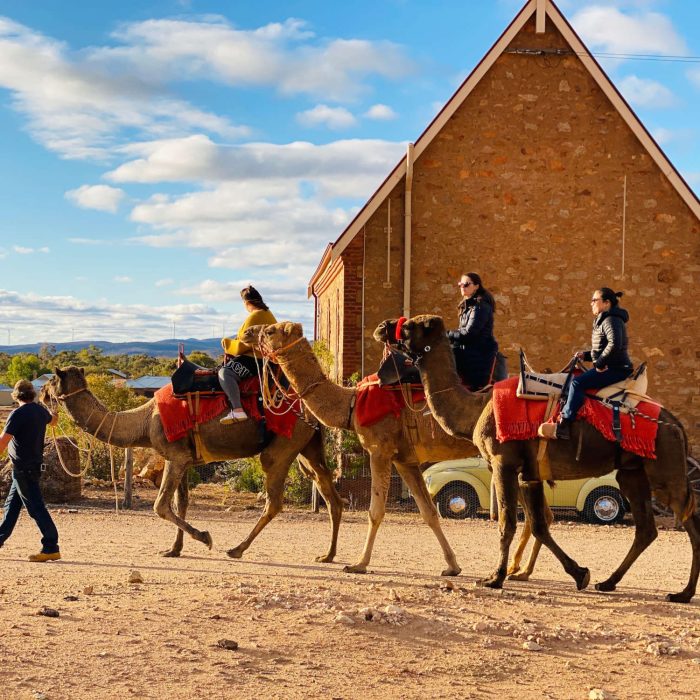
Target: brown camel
(666, 476)
(385, 441)
(142, 427)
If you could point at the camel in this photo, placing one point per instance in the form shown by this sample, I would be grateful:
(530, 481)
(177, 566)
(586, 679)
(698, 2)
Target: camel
(453, 408)
(142, 427)
(384, 441)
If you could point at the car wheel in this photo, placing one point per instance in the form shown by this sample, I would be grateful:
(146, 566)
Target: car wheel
(604, 506)
(457, 500)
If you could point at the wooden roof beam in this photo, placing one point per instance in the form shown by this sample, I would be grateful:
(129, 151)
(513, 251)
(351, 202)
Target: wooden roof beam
(540, 16)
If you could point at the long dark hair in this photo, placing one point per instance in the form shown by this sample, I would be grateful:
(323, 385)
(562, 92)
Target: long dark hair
(253, 297)
(483, 294)
(607, 294)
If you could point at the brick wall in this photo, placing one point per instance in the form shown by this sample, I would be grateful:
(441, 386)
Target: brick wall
(524, 185)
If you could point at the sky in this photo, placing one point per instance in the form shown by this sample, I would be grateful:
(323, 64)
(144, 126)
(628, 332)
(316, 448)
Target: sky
(156, 156)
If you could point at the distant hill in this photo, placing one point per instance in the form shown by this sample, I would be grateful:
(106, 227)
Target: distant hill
(159, 348)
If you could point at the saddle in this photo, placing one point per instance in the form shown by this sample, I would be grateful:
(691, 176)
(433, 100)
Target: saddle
(190, 378)
(397, 368)
(538, 386)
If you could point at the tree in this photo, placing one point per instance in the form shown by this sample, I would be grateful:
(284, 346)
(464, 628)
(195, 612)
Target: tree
(202, 358)
(22, 366)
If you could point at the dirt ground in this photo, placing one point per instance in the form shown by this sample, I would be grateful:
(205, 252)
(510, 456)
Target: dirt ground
(302, 627)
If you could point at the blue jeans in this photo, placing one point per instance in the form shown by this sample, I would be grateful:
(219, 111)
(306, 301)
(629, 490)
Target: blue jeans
(25, 491)
(592, 379)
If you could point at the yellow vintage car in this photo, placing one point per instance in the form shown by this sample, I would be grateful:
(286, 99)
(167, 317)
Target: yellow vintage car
(462, 487)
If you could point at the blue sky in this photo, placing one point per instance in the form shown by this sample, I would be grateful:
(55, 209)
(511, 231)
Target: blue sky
(157, 156)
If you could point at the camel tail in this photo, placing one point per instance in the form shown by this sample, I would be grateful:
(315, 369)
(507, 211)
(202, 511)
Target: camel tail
(691, 501)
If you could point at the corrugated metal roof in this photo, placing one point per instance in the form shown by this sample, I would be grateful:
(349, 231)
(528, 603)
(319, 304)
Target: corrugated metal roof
(148, 382)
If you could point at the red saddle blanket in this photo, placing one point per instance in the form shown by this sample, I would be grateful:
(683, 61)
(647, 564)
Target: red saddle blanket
(518, 419)
(178, 419)
(375, 402)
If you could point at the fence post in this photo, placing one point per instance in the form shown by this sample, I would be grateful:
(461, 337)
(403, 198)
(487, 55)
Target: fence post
(128, 476)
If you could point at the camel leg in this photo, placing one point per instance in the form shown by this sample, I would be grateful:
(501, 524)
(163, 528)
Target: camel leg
(334, 503)
(380, 467)
(276, 465)
(514, 572)
(173, 473)
(635, 487)
(535, 505)
(414, 480)
(182, 499)
(692, 527)
(506, 484)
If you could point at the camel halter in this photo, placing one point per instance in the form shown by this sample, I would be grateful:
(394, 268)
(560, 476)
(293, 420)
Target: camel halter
(274, 354)
(80, 474)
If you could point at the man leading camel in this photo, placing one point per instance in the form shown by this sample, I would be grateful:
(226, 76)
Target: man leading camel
(24, 433)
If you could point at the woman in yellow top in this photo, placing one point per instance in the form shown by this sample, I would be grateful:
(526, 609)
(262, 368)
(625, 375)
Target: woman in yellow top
(239, 362)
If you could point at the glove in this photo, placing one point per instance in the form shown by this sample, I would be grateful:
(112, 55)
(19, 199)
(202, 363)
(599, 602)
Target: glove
(454, 336)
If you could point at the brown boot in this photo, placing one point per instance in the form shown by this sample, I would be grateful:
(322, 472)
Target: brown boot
(45, 556)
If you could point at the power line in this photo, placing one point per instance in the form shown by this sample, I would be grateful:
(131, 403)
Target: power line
(606, 54)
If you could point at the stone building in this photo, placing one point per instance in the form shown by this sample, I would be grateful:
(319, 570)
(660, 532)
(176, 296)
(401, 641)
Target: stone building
(539, 176)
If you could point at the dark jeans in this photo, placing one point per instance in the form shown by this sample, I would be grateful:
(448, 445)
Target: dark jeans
(25, 491)
(237, 368)
(592, 379)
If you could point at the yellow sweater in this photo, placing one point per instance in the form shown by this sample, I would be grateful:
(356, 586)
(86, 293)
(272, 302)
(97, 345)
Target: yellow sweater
(234, 346)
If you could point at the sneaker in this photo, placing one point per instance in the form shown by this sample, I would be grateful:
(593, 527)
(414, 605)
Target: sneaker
(45, 556)
(237, 415)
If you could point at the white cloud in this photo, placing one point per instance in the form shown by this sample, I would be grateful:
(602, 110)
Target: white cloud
(641, 92)
(198, 159)
(61, 317)
(285, 56)
(663, 136)
(81, 108)
(25, 250)
(331, 117)
(694, 76)
(89, 241)
(100, 197)
(381, 112)
(122, 279)
(610, 30)
(164, 282)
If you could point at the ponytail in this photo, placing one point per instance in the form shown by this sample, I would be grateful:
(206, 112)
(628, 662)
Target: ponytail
(607, 294)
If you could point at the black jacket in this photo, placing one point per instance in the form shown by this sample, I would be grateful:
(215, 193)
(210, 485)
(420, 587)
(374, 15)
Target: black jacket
(475, 322)
(609, 340)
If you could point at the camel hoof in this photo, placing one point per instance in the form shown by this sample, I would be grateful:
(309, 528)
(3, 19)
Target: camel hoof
(170, 553)
(452, 571)
(355, 569)
(325, 558)
(205, 537)
(519, 576)
(681, 597)
(235, 553)
(493, 582)
(605, 586)
(582, 578)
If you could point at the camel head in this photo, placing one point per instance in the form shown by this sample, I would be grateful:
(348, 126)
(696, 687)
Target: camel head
(385, 332)
(251, 335)
(64, 382)
(420, 333)
(278, 336)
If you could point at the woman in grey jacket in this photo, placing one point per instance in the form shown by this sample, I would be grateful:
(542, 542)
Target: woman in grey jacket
(608, 352)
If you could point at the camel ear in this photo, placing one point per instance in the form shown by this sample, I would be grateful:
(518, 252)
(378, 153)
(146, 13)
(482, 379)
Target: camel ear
(288, 327)
(82, 371)
(428, 323)
(59, 372)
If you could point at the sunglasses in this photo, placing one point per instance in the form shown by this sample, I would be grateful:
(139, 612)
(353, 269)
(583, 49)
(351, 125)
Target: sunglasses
(465, 284)
(593, 301)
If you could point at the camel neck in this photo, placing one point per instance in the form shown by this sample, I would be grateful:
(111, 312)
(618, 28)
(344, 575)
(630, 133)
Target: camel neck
(119, 428)
(328, 402)
(455, 408)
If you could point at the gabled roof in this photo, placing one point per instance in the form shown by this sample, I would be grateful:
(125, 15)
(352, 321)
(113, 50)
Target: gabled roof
(544, 10)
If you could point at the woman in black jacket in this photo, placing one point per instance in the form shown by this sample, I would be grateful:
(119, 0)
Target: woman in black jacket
(473, 343)
(608, 352)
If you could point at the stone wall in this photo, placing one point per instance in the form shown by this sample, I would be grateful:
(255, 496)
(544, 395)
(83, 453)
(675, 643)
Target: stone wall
(524, 185)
